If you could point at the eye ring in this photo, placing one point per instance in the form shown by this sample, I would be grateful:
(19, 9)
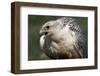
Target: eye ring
(47, 27)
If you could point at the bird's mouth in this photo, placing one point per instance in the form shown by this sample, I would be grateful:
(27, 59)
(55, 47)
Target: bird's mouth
(44, 33)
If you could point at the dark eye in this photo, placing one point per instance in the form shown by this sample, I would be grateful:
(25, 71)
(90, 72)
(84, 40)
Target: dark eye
(47, 27)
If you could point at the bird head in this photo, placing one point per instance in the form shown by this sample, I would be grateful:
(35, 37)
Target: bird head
(51, 27)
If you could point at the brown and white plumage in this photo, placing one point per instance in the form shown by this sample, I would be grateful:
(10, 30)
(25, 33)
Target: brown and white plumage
(62, 39)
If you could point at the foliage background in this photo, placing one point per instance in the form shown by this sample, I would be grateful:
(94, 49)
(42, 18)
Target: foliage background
(35, 23)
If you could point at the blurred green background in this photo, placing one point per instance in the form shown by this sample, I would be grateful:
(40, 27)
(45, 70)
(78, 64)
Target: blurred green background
(35, 22)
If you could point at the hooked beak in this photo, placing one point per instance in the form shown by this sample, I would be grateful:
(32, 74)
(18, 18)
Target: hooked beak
(43, 33)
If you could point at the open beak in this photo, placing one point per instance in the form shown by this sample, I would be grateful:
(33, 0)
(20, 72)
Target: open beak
(43, 33)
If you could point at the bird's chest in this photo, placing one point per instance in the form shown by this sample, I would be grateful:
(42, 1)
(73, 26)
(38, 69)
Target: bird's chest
(65, 45)
(64, 41)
